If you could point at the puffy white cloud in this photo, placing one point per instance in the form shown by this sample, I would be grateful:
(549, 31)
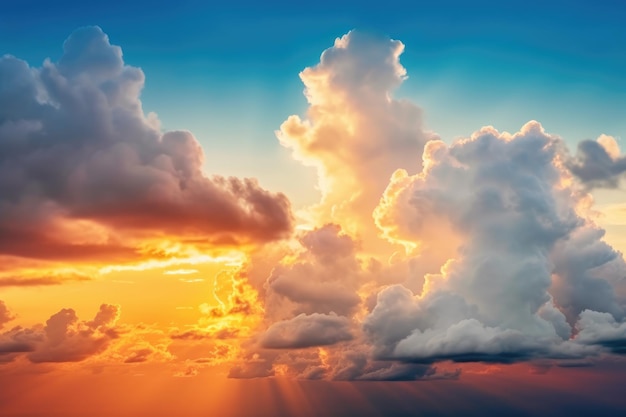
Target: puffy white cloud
(42, 280)
(504, 265)
(602, 329)
(253, 366)
(587, 274)
(355, 133)
(502, 255)
(528, 262)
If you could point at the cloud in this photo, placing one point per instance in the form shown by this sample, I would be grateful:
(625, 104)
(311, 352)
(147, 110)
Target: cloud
(304, 331)
(324, 278)
(254, 366)
(67, 339)
(79, 158)
(355, 133)
(143, 353)
(496, 224)
(5, 314)
(198, 334)
(406, 372)
(54, 279)
(588, 275)
(529, 260)
(64, 338)
(599, 163)
(595, 328)
(502, 263)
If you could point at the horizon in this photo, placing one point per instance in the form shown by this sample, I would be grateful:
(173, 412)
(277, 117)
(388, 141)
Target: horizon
(250, 210)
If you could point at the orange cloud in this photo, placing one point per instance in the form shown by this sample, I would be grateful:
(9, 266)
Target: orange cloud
(29, 281)
(84, 168)
(355, 133)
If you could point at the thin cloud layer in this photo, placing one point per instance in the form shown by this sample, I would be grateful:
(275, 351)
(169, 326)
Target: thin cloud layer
(12, 281)
(78, 157)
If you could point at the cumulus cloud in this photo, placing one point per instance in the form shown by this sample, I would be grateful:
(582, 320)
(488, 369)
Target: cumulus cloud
(324, 278)
(355, 133)
(596, 328)
(68, 339)
(529, 261)
(304, 331)
(79, 157)
(599, 163)
(252, 366)
(5, 314)
(504, 262)
(64, 337)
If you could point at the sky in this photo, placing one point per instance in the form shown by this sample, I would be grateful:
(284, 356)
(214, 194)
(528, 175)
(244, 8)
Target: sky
(340, 209)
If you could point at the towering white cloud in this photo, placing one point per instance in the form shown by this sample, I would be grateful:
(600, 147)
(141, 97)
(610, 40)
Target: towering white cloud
(502, 259)
(512, 266)
(528, 263)
(355, 133)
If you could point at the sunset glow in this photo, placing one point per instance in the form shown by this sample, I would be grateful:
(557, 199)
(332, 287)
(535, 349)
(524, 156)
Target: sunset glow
(297, 213)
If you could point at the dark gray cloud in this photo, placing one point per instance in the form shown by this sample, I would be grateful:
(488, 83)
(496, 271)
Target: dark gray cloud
(598, 163)
(76, 144)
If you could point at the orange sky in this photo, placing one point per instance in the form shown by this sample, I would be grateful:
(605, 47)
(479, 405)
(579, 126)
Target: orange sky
(133, 281)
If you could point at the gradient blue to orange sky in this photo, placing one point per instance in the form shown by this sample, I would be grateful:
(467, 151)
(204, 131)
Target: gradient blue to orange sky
(312, 209)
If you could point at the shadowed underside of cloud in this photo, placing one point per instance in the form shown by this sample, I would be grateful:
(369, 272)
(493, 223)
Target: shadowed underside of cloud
(79, 157)
(599, 163)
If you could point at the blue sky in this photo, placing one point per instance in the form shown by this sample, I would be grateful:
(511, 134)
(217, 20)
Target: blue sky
(229, 72)
(495, 261)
